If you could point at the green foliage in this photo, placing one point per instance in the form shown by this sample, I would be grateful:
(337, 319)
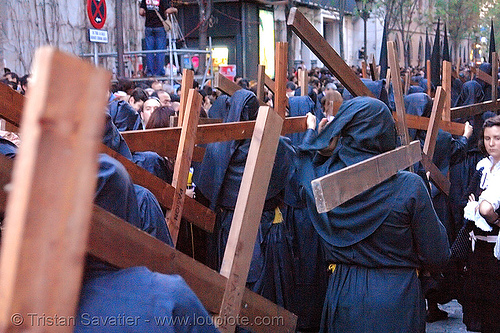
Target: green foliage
(404, 17)
(462, 18)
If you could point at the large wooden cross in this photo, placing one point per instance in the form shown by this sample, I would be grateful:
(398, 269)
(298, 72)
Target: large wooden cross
(479, 108)
(436, 176)
(110, 237)
(403, 157)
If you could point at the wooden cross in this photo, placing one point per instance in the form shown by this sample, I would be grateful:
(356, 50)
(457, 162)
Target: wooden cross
(183, 162)
(110, 237)
(49, 210)
(436, 176)
(326, 54)
(446, 84)
(228, 87)
(251, 198)
(402, 128)
(119, 236)
(187, 84)
(364, 73)
(338, 187)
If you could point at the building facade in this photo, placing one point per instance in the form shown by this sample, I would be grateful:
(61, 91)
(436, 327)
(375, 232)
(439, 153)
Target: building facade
(243, 33)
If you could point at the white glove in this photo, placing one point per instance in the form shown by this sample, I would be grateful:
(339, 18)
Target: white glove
(471, 213)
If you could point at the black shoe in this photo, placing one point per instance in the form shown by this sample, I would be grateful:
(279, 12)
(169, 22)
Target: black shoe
(434, 315)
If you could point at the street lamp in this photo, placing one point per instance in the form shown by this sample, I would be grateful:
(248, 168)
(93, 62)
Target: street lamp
(364, 10)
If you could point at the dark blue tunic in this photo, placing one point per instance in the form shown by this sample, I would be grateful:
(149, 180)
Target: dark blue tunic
(134, 299)
(124, 116)
(309, 265)
(379, 238)
(218, 178)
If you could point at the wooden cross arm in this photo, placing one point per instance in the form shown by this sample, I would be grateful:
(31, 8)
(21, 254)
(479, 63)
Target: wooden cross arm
(478, 108)
(194, 211)
(422, 123)
(165, 141)
(320, 47)
(122, 245)
(338, 187)
(11, 105)
(484, 76)
(436, 177)
(227, 86)
(269, 83)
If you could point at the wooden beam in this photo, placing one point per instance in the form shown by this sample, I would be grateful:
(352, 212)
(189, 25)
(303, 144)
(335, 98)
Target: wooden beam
(227, 86)
(340, 186)
(174, 121)
(422, 123)
(437, 178)
(164, 141)
(11, 105)
(388, 78)
(478, 108)
(261, 72)
(364, 73)
(187, 84)
(446, 84)
(398, 94)
(269, 83)
(303, 81)
(483, 76)
(111, 240)
(326, 54)
(248, 212)
(183, 162)
(407, 83)
(435, 119)
(251, 197)
(194, 211)
(441, 181)
(49, 209)
(280, 98)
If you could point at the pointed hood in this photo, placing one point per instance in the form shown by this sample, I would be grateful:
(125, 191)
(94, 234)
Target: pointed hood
(492, 43)
(446, 48)
(436, 59)
(383, 53)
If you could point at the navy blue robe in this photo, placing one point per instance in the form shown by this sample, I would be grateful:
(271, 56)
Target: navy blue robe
(300, 106)
(377, 239)
(218, 178)
(133, 299)
(309, 263)
(147, 160)
(461, 173)
(7, 148)
(124, 116)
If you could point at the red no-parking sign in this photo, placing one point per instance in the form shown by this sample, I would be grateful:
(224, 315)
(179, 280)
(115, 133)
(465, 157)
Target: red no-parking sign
(96, 10)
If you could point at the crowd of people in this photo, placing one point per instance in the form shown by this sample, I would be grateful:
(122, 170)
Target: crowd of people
(380, 262)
